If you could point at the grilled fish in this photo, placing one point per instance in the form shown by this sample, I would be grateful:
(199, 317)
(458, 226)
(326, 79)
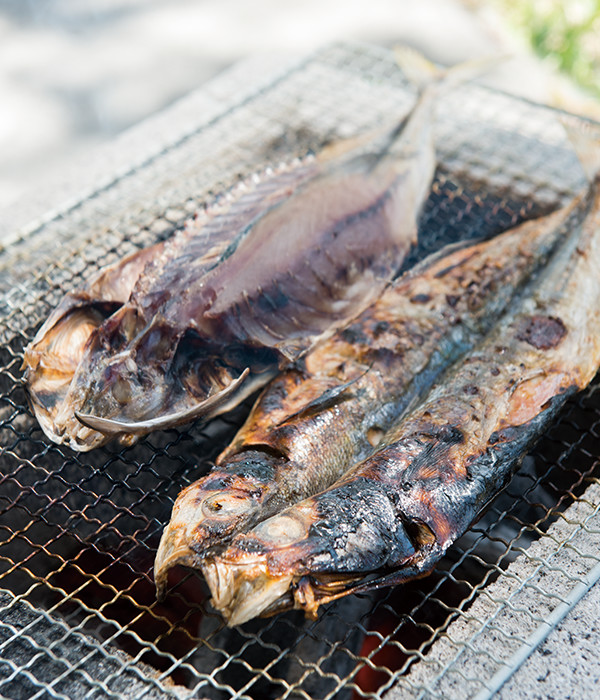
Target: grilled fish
(391, 517)
(330, 410)
(195, 337)
(52, 359)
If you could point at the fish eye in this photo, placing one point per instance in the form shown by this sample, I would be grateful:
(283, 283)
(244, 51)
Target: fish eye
(281, 530)
(222, 505)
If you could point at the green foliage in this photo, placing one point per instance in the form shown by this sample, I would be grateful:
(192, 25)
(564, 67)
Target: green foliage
(568, 32)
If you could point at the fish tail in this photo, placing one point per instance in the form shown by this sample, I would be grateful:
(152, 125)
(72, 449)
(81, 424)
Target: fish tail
(423, 73)
(416, 129)
(585, 139)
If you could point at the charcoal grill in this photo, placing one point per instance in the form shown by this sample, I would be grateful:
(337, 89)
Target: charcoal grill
(78, 532)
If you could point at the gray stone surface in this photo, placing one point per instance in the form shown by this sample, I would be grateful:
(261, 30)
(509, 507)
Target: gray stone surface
(485, 640)
(52, 657)
(566, 664)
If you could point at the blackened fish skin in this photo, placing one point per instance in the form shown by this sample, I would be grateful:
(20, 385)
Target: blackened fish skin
(331, 410)
(439, 466)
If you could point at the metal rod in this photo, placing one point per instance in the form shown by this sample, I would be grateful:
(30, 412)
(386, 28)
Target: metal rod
(539, 635)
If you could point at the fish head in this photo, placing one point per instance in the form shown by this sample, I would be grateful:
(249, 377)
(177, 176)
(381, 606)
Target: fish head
(209, 512)
(162, 377)
(309, 554)
(81, 357)
(271, 569)
(51, 360)
(247, 578)
(103, 373)
(96, 374)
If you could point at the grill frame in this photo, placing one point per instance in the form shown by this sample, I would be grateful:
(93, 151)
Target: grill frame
(337, 92)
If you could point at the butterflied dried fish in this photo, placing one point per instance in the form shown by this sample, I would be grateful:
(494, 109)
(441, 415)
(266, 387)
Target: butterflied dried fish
(316, 419)
(391, 517)
(134, 285)
(194, 338)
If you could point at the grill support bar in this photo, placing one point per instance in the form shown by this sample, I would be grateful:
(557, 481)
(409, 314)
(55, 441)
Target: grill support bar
(540, 635)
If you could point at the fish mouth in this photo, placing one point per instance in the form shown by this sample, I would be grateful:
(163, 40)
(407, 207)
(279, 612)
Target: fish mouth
(240, 591)
(73, 434)
(185, 539)
(173, 550)
(244, 590)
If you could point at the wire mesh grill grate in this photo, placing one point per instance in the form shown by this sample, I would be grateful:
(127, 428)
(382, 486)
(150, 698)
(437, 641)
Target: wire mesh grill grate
(78, 532)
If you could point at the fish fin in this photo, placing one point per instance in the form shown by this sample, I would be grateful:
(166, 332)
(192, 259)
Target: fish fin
(395, 578)
(330, 397)
(310, 606)
(430, 80)
(432, 259)
(423, 73)
(208, 406)
(585, 139)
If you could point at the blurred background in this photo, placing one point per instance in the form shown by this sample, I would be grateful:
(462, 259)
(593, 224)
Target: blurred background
(76, 73)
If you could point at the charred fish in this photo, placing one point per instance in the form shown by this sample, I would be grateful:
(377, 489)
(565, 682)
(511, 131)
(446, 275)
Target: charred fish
(316, 419)
(391, 517)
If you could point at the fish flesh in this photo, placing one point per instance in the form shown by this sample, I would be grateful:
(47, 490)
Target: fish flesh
(391, 517)
(332, 408)
(220, 311)
(52, 359)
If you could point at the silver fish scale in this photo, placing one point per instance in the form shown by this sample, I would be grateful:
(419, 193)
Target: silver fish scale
(78, 532)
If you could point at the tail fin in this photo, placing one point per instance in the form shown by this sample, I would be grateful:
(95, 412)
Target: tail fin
(423, 73)
(585, 139)
(415, 130)
(418, 69)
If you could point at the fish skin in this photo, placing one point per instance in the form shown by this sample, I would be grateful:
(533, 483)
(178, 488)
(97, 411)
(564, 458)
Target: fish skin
(316, 419)
(391, 517)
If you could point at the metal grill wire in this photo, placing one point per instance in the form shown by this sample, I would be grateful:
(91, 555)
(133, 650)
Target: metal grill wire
(78, 532)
